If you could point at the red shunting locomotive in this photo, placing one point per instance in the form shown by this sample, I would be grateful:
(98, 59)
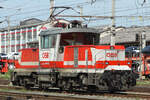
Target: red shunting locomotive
(71, 58)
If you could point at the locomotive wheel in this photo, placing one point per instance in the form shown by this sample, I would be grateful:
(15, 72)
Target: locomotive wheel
(148, 76)
(60, 85)
(114, 83)
(20, 81)
(27, 86)
(91, 88)
(65, 85)
(14, 83)
(40, 86)
(70, 88)
(131, 80)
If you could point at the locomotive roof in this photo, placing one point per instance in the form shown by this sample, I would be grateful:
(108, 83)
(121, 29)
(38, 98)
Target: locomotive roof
(68, 30)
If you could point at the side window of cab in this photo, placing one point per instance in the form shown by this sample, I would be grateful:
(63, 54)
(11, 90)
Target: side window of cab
(48, 41)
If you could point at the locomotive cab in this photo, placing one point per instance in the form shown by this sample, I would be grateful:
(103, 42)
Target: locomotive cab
(53, 41)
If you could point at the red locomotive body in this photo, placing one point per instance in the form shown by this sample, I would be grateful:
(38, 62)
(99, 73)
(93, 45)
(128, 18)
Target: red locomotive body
(70, 58)
(29, 59)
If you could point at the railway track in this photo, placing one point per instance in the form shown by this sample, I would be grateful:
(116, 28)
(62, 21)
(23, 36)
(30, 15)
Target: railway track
(42, 96)
(19, 93)
(14, 95)
(11, 87)
(4, 81)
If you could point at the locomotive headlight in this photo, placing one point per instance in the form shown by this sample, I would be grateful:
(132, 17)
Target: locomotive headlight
(128, 63)
(106, 63)
(112, 47)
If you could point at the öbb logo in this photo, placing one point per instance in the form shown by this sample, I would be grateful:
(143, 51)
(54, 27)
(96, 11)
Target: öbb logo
(111, 55)
(45, 55)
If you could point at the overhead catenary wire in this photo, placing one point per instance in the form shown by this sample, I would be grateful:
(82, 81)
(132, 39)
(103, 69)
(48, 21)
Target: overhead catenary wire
(84, 3)
(48, 8)
(35, 11)
(73, 4)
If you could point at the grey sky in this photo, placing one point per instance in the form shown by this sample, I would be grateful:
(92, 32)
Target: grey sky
(23, 9)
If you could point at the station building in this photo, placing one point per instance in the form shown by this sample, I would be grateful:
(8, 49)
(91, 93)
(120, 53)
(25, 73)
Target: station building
(18, 37)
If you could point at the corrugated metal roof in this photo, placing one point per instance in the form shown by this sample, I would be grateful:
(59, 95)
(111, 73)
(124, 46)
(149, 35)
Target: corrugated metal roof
(126, 35)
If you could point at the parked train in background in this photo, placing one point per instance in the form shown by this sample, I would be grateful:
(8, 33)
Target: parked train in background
(133, 53)
(146, 61)
(69, 57)
(3, 64)
(7, 61)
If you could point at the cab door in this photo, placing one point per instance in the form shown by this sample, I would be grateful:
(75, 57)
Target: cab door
(47, 49)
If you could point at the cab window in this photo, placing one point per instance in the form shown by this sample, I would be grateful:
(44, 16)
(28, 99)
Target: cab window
(79, 39)
(48, 41)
